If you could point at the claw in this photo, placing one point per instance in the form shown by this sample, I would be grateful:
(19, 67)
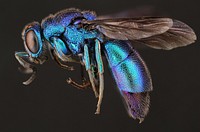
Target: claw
(69, 80)
(97, 112)
(31, 79)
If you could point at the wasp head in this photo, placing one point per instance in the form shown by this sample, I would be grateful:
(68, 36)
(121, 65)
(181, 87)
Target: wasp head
(34, 42)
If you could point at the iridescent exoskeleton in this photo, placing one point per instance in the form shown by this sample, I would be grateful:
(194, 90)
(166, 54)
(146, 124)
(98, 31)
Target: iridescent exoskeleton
(79, 36)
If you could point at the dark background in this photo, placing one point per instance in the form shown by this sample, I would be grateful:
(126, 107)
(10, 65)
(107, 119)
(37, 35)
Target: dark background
(51, 105)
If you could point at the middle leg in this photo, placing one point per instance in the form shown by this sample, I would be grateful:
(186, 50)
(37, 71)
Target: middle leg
(86, 59)
(84, 84)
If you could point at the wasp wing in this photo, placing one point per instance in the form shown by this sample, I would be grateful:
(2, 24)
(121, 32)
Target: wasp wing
(155, 32)
(178, 35)
(131, 28)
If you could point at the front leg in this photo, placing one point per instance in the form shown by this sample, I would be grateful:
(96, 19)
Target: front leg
(27, 68)
(70, 68)
(57, 60)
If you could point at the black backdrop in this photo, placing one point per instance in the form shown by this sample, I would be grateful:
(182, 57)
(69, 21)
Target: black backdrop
(50, 105)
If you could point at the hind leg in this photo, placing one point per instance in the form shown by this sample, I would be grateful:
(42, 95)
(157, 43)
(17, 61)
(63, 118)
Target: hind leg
(100, 74)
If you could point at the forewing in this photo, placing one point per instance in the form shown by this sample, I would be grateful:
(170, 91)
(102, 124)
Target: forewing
(132, 28)
(178, 35)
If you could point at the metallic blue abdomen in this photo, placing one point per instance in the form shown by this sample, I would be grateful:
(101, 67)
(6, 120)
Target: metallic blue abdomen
(128, 68)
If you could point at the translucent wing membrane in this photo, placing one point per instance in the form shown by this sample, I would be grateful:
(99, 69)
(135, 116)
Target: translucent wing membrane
(132, 28)
(155, 32)
(178, 35)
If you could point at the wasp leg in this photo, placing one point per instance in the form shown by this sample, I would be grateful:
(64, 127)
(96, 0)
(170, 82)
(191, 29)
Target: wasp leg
(79, 86)
(84, 84)
(27, 68)
(55, 57)
(84, 81)
(82, 74)
(100, 73)
(88, 69)
(69, 81)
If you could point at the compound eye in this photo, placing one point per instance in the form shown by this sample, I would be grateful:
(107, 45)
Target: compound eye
(32, 42)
